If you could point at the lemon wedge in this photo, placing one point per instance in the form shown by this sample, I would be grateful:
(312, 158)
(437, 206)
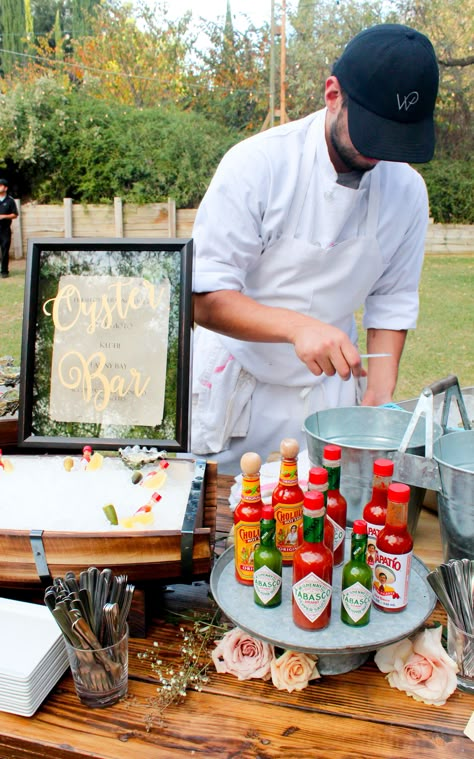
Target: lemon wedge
(7, 466)
(144, 517)
(154, 480)
(95, 463)
(126, 522)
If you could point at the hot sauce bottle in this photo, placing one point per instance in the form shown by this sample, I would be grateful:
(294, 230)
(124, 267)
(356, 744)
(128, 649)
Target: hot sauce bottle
(318, 480)
(375, 510)
(247, 518)
(312, 569)
(394, 550)
(356, 592)
(287, 500)
(336, 503)
(267, 563)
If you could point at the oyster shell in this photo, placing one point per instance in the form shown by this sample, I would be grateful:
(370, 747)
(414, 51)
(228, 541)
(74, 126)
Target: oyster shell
(135, 456)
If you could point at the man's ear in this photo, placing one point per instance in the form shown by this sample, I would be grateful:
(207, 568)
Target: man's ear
(332, 93)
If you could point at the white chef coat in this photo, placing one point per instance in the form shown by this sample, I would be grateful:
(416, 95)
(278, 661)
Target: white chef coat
(245, 212)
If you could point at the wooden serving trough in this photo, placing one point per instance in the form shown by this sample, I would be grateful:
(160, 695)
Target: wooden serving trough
(33, 558)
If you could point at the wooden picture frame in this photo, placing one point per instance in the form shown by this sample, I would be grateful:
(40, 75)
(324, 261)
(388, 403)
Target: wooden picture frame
(106, 345)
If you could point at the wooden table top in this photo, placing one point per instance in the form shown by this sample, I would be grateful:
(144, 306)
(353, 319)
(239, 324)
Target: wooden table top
(354, 714)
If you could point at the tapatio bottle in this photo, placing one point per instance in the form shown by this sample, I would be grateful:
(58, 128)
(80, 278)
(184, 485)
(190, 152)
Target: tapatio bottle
(312, 569)
(247, 518)
(287, 500)
(394, 546)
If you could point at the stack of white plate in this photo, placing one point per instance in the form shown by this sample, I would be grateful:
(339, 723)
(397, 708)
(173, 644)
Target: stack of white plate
(32, 656)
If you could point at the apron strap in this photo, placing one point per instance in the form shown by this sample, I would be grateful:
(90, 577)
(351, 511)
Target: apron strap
(373, 204)
(304, 178)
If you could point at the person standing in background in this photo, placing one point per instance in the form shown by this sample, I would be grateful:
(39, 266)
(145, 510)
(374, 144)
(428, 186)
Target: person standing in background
(8, 212)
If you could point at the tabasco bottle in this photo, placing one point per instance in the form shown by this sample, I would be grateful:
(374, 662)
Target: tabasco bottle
(394, 550)
(336, 503)
(375, 510)
(312, 569)
(247, 518)
(356, 595)
(318, 480)
(287, 499)
(267, 562)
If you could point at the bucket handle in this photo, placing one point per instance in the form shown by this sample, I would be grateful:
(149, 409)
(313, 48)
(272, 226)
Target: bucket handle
(450, 387)
(424, 407)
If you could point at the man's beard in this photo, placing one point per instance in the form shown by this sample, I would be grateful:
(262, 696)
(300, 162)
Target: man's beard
(348, 154)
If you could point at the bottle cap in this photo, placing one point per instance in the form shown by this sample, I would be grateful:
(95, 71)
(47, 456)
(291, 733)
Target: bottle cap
(289, 448)
(398, 493)
(359, 527)
(318, 475)
(268, 512)
(332, 452)
(313, 501)
(87, 448)
(383, 467)
(250, 463)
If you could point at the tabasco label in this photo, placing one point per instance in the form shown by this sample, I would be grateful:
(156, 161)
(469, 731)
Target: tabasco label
(339, 533)
(246, 539)
(266, 584)
(289, 526)
(312, 595)
(391, 576)
(356, 600)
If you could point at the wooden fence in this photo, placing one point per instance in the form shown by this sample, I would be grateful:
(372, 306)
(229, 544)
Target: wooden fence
(161, 220)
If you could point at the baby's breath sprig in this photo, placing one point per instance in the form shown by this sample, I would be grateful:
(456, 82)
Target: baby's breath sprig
(190, 673)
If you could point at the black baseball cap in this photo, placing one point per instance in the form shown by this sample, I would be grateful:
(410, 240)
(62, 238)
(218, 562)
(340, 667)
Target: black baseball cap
(4, 182)
(390, 76)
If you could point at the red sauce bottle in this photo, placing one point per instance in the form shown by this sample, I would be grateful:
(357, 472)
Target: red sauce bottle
(375, 511)
(287, 500)
(318, 480)
(393, 554)
(247, 517)
(312, 569)
(336, 503)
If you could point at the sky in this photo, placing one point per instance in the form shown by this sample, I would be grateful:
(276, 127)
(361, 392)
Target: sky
(259, 11)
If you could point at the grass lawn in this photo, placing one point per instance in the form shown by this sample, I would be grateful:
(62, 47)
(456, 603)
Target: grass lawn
(442, 344)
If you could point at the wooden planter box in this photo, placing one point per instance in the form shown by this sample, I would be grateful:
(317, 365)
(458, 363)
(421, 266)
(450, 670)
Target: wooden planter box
(29, 559)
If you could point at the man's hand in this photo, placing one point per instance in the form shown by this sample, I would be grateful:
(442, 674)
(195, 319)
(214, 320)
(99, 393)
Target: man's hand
(326, 350)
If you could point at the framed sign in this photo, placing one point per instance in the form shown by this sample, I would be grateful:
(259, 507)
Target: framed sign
(106, 344)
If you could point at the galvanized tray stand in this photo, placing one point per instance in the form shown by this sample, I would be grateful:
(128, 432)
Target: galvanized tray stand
(339, 648)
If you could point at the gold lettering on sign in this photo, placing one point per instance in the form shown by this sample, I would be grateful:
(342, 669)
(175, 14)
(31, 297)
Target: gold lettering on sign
(68, 306)
(79, 374)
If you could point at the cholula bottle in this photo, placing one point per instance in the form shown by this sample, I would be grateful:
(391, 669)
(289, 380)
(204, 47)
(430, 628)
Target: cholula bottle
(267, 562)
(287, 500)
(318, 480)
(312, 569)
(336, 503)
(247, 518)
(375, 510)
(356, 595)
(394, 550)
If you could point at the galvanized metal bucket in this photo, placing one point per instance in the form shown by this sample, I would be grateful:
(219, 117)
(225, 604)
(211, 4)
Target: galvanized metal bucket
(454, 454)
(367, 433)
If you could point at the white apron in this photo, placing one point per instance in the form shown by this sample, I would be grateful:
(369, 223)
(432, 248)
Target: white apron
(277, 391)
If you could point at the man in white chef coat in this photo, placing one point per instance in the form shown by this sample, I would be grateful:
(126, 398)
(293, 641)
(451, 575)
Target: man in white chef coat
(300, 226)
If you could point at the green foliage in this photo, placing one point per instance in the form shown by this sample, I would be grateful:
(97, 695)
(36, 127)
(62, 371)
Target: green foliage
(64, 143)
(451, 190)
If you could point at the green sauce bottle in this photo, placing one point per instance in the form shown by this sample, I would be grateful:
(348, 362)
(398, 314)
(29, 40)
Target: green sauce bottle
(356, 595)
(267, 563)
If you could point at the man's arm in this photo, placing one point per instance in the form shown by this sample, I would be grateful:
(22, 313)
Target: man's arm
(383, 372)
(8, 215)
(322, 347)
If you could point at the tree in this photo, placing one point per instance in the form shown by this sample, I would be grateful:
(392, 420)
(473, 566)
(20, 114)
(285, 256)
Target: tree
(12, 27)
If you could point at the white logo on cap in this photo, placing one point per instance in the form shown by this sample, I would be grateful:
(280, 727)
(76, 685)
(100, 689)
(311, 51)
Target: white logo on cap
(408, 100)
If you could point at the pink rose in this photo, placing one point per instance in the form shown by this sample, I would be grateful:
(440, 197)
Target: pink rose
(241, 655)
(293, 670)
(421, 667)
